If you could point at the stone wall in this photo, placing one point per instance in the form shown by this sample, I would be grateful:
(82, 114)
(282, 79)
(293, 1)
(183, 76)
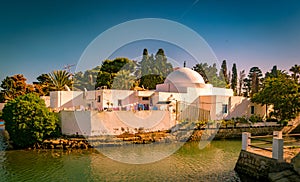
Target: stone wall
(257, 167)
(237, 132)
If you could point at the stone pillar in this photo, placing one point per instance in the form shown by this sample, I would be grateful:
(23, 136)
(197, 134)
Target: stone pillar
(277, 134)
(246, 140)
(277, 148)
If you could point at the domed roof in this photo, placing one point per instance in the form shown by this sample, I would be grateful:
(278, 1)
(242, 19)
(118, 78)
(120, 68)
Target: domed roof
(184, 75)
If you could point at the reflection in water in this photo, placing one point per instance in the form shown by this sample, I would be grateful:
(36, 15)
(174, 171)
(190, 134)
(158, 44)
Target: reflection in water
(214, 163)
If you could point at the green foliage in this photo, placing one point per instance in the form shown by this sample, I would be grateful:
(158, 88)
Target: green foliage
(295, 72)
(283, 93)
(209, 74)
(153, 70)
(123, 80)
(13, 87)
(253, 83)
(150, 81)
(223, 72)
(234, 79)
(54, 81)
(242, 119)
(110, 68)
(255, 118)
(241, 82)
(28, 120)
(59, 79)
(86, 80)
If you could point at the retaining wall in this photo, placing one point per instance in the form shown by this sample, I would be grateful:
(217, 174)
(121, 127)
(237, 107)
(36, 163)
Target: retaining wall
(253, 167)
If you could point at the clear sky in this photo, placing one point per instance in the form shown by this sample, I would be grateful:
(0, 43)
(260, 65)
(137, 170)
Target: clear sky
(41, 36)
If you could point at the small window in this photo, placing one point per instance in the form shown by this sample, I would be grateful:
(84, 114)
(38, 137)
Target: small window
(224, 108)
(252, 110)
(99, 98)
(119, 102)
(145, 98)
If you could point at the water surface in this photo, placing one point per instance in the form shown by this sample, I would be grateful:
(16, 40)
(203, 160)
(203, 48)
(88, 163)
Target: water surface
(214, 163)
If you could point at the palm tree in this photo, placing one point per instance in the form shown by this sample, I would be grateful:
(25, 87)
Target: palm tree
(58, 80)
(295, 72)
(123, 80)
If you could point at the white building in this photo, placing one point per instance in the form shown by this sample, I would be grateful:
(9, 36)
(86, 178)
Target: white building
(183, 94)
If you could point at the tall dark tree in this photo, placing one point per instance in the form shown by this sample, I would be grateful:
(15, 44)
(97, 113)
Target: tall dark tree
(241, 82)
(234, 79)
(223, 72)
(253, 83)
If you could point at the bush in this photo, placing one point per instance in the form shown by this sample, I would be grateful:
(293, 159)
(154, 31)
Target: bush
(255, 118)
(242, 119)
(28, 120)
(272, 120)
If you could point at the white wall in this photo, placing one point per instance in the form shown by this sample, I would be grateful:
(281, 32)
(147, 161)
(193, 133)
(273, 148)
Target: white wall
(76, 122)
(93, 123)
(66, 99)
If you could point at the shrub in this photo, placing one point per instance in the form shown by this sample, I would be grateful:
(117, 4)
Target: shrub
(255, 118)
(28, 120)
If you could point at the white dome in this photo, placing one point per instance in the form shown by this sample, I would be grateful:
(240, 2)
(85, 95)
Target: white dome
(184, 76)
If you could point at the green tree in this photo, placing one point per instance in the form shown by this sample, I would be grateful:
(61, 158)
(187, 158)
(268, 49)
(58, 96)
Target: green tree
(28, 120)
(201, 68)
(86, 80)
(153, 70)
(295, 72)
(241, 81)
(123, 80)
(13, 87)
(110, 68)
(223, 72)
(42, 85)
(58, 80)
(283, 93)
(234, 79)
(253, 83)
(209, 74)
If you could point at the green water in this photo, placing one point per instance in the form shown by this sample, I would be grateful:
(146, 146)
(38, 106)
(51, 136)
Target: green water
(213, 163)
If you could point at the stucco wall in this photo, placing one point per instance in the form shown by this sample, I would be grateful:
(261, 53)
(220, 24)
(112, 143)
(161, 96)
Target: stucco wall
(76, 122)
(241, 106)
(93, 123)
(66, 99)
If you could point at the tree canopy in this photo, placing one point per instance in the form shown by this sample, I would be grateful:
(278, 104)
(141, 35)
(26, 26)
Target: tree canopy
(153, 70)
(253, 83)
(110, 68)
(28, 120)
(209, 74)
(281, 92)
(13, 87)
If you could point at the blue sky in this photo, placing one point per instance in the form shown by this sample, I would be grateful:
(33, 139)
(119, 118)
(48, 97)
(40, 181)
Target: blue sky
(41, 36)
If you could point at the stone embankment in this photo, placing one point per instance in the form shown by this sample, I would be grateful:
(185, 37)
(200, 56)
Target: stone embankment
(230, 133)
(254, 167)
(68, 143)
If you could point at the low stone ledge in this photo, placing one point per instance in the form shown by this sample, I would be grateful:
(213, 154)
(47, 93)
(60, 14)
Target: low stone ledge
(261, 168)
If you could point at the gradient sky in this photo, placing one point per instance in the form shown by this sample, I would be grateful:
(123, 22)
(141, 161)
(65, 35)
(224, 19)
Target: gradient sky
(41, 36)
